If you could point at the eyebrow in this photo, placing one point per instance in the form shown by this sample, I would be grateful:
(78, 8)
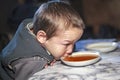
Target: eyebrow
(68, 41)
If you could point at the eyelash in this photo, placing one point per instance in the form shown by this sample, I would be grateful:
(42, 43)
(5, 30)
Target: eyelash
(67, 44)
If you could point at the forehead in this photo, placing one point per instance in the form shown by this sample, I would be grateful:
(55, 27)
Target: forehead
(70, 33)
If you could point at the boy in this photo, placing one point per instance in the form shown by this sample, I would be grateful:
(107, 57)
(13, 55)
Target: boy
(52, 34)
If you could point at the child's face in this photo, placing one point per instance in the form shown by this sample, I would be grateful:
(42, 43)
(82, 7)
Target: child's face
(62, 44)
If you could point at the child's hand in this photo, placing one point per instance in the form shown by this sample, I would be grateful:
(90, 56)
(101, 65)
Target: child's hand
(51, 64)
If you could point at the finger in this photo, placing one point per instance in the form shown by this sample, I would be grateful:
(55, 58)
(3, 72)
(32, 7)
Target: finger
(46, 66)
(53, 62)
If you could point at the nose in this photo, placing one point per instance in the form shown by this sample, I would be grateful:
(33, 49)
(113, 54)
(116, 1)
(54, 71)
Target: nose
(69, 50)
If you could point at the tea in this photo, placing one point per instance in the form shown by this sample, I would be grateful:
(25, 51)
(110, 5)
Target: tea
(80, 57)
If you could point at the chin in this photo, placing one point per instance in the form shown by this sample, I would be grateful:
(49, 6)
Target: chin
(57, 59)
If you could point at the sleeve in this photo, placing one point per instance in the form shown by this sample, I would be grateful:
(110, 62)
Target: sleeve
(25, 68)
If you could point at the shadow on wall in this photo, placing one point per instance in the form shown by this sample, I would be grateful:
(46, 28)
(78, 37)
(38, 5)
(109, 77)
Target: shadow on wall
(105, 32)
(4, 39)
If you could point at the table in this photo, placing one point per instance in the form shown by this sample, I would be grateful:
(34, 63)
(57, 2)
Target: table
(108, 68)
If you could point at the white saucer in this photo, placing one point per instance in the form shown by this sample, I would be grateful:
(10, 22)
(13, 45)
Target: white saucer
(102, 46)
(82, 62)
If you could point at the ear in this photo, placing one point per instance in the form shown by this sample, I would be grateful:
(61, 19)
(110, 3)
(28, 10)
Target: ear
(41, 36)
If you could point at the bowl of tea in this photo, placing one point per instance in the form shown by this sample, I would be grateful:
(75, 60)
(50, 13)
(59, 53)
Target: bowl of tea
(81, 58)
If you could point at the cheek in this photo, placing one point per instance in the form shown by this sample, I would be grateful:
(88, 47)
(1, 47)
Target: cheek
(58, 52)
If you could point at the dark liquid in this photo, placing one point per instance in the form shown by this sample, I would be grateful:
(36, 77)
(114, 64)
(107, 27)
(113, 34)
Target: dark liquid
(80, 58)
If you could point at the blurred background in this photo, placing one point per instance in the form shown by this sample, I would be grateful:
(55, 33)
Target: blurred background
(101, 17)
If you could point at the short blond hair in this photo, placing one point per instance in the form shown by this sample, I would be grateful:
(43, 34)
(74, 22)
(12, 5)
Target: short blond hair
(51, 15)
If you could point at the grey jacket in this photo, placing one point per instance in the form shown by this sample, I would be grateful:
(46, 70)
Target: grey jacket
(24, 55)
